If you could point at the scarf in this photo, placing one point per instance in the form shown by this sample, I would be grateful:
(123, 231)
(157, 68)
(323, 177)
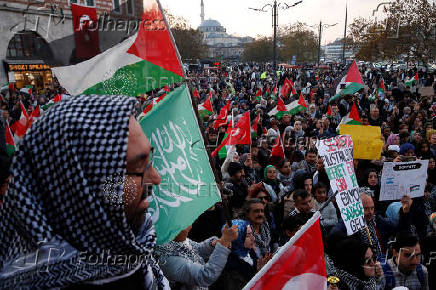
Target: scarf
(262, 239)
(352, 282)
(66, 194)
(374, 239)
(179, 249)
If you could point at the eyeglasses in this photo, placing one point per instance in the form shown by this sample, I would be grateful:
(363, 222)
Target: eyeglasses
(146, 187)
(264, 198)
(369, 261)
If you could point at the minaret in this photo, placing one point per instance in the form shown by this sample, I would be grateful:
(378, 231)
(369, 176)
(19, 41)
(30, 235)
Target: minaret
(202, 11)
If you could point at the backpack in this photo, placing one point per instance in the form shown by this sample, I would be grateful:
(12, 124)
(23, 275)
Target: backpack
(390, 279)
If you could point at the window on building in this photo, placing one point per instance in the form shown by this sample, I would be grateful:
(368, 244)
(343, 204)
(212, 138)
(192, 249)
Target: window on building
(129, 6)
(86, 2)
(116, 6)
(28, 45)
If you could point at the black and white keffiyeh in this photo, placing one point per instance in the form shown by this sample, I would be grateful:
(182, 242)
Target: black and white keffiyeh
(352, 282)
(59, 226)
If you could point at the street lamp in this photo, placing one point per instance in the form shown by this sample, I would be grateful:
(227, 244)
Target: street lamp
(274, 7)
(320, 28)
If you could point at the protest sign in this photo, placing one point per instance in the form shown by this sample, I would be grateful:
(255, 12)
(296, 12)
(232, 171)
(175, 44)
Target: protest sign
(188, 185)
(427, 91)
(403, 178)
(366, 140)
(337, 156)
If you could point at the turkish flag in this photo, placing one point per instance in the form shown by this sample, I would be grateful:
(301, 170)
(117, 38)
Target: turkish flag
(240, 133)
(299, 264)
(221, 120)
(85, 25)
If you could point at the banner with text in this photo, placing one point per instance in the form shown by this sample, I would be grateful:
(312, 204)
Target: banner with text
(188, 186)
(403, 178)
(337, 156)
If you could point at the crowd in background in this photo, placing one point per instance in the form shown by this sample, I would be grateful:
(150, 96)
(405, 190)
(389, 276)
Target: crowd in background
(270, 198)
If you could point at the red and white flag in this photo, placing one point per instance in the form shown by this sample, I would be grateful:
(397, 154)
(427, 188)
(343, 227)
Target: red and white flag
(298, 265)
(221, 120)
(85, 24)
(277, 149)
(240, 133)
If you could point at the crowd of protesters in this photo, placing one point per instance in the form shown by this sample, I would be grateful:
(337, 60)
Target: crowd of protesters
(268, 199)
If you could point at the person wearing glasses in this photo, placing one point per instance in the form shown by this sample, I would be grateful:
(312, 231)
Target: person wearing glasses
(356, 266)
(405, 268)
(76, 205)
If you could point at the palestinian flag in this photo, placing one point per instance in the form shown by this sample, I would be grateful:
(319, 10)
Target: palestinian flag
(205, 109)
(7, 86)
(352, 118)
(254, 126)
(297, 106)
(195, 93)
(151, 106)
(20, 127)
(353, 83)
(412, 81)
(280, 110)
(274, 93)
(26, 90)
(381, 88)
(55, 100)
(259, 95)
(10, 144)
(329, 111)
(134, 67)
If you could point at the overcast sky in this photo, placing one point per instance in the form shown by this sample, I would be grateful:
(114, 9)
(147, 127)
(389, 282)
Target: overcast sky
(235, 16)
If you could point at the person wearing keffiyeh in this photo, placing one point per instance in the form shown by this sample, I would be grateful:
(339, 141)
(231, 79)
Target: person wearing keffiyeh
(74, 215)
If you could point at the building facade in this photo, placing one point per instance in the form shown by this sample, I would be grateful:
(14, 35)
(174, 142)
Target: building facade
(220, 44)
(333, 51)
(38, 34)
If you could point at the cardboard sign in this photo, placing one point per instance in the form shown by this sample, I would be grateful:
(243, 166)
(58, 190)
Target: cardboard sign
(337, 156)
(403, 178)
(366, 139)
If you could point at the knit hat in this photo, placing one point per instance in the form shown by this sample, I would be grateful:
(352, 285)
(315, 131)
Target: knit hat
(234, 167)
(406, 147)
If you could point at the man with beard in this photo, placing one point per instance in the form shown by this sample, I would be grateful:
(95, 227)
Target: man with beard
(309, 162)
(79, 185)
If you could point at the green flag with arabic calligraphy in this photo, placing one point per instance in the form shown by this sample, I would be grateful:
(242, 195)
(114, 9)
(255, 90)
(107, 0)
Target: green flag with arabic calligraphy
(188, 186)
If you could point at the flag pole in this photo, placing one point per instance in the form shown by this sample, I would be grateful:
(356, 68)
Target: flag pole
(369, 235)
(328, 201)
(283, 249)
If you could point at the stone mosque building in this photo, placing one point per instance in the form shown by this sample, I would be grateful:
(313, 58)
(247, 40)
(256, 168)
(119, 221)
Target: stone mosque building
(220, 44)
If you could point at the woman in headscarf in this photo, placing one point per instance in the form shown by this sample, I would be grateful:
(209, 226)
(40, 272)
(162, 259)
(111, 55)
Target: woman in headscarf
(356, 266)
(78, 187)
(272, 184)
(371, 182)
